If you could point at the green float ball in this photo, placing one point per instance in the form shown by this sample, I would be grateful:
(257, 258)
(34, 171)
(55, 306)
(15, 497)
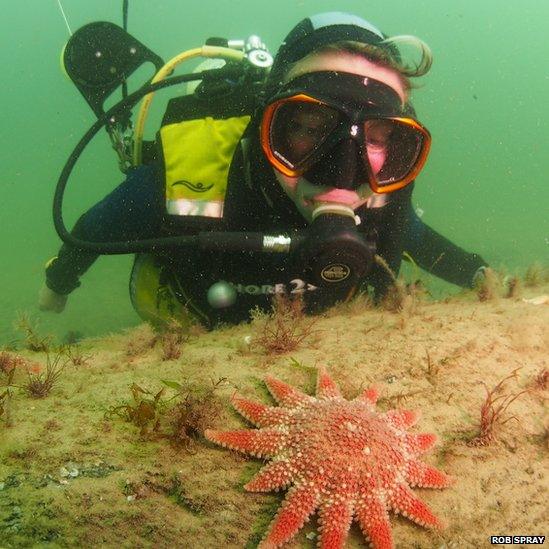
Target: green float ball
(221, 295)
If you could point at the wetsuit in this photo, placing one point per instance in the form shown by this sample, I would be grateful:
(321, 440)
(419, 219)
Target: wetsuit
(136, 210)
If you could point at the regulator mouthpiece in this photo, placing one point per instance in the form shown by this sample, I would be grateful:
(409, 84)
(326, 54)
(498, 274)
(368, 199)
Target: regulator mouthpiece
(339, 209)
(333, 253)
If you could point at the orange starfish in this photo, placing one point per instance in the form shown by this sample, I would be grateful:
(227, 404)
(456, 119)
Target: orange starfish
(341, 457)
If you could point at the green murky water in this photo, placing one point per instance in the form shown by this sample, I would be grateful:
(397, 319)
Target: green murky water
(485, 185)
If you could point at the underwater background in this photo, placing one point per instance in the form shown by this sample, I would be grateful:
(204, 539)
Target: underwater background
(485, 186)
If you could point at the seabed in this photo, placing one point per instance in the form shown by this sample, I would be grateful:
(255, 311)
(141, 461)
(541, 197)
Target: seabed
(114, 456)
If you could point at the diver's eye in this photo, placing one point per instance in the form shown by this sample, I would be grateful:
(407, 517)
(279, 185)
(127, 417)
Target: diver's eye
(297, 127)
(377, 133)
(375, 145)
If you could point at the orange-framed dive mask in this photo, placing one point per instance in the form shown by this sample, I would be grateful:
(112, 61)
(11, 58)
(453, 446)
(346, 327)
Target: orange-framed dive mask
(343, 130)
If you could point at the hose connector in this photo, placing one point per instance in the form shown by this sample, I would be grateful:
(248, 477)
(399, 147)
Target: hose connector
(278, 243)
(255, 50)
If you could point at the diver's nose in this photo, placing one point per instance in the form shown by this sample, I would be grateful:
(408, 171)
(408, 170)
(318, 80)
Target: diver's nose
(340, 167)
(348, 171)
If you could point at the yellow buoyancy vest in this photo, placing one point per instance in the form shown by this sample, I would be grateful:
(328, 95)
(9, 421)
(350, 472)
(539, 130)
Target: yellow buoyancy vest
(197, 154)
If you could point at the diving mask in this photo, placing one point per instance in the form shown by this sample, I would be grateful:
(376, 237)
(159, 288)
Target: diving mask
(343, 130)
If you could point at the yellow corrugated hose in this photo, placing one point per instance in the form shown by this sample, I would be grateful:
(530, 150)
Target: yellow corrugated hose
(166, 70)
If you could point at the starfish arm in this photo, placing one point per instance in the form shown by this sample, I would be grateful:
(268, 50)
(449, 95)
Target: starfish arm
(335, 520)
(259, 414)
(299, 505)
(374, 523)
(274, 476)
(255, 442)
(402, 419)
(326, 386)
(404, 501)
(423, 475)
(285, 394)
(420, 443)
(371, 394)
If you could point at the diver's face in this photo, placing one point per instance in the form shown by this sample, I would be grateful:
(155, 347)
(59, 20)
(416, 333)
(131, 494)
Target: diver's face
(306, 196)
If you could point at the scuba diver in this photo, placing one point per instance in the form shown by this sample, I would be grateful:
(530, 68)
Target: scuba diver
(321, 153)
